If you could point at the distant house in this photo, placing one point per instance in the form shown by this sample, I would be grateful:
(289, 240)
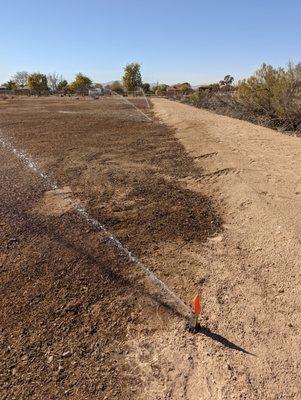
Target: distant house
(23, 90)
(4, 90)
(106, 89)
(95, 92)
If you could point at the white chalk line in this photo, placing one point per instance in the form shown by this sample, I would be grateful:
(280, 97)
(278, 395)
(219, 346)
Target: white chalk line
(132, 104)
(20, 154)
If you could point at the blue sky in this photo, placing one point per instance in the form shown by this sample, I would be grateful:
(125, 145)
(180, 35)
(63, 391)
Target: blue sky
(193, 40)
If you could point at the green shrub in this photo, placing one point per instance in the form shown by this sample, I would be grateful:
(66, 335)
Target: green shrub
(274, 92)
(196, 97)
(160, 90)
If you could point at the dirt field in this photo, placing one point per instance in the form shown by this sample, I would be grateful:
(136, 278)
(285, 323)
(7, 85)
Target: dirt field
(208, 203)
(78, 319)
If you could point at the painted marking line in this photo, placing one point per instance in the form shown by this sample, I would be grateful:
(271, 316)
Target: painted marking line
(178, 304)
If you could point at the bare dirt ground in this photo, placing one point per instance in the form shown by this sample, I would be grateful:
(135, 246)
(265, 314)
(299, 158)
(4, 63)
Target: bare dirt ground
(208, 203)
(78, 320)
(252, 286)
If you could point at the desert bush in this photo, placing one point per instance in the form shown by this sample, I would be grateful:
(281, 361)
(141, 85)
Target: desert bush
(183, 88)
(274, 93)
(213, 87)
(160, 90)
(193, 98)
(271, 97)
(219, 101)
(196, 97)
(204, 93)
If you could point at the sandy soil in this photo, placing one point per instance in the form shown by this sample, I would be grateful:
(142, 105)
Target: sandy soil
(252, 287)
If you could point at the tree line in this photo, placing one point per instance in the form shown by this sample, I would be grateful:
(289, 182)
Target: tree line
(39, 83)
(131, 81)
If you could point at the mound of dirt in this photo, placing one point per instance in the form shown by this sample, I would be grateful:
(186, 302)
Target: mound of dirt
(57, 202)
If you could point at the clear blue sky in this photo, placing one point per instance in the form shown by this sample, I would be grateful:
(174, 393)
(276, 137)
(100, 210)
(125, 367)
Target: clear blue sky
(192, 40)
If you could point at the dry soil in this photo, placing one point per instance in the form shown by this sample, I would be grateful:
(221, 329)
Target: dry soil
(210, 204)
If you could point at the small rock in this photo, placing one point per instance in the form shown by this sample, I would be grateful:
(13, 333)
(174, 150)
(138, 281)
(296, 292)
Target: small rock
(61, 368)
(66, 354)
(49, 359)
(24, 358)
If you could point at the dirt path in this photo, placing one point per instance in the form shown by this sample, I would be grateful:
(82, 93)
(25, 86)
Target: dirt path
(252, 288)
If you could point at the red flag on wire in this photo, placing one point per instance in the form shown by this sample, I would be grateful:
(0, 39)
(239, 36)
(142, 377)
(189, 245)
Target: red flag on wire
(196, 305)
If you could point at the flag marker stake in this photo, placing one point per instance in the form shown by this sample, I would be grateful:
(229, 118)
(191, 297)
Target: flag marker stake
(197, 309)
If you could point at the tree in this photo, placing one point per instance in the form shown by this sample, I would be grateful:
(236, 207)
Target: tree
(81, 82)
(68, 89)
(54, 80)
(21, 78)
(62, 85)
(146, 87)
(11, 85)
(98, 86)
(227, 81)
(37, 83)
(117, 87)
(132, 77)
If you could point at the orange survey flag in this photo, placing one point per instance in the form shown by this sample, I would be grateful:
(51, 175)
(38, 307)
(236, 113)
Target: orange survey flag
(196, 305)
